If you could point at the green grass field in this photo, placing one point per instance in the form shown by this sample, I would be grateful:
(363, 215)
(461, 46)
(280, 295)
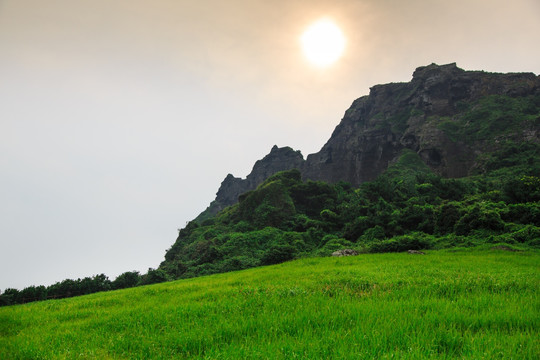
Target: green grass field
(471, 304)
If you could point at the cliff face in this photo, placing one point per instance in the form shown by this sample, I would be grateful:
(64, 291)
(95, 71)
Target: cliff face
(448, 116)
(376, 128)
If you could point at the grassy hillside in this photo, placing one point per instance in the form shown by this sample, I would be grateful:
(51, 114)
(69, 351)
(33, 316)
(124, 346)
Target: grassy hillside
(471, 304)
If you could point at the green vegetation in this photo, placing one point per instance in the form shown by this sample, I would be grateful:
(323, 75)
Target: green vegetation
(88, 285)
(408, 207)
(467, 304)
(492, 116)
(397, 122)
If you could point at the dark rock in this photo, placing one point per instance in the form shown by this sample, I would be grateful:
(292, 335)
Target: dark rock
(229, 190)
(376, 128)
(279, 159)
(345, 252)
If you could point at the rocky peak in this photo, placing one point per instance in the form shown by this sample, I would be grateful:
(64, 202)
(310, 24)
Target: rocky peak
(279, 159)
(432, 73)
(230, 188)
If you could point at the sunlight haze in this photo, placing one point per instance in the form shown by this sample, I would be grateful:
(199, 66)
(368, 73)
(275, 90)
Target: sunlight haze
(323, 43)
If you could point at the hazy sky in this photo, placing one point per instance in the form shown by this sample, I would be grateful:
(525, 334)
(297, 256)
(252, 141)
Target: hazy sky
(120, 118)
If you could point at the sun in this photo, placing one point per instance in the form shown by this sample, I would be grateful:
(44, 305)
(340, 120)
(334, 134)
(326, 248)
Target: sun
(323, 43)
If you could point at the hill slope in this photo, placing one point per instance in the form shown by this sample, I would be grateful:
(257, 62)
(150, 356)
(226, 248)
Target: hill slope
(464, 304)
(451, 158)
(407, 208)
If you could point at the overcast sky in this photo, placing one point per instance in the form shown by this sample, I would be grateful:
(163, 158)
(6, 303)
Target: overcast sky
(120, 118)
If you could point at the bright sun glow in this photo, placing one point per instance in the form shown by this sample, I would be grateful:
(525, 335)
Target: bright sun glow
(323, 43)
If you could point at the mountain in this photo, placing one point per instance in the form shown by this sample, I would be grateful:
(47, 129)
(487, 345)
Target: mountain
(449, 159)
(450, 117)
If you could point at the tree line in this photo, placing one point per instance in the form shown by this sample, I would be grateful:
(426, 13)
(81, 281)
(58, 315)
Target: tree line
(88, 285)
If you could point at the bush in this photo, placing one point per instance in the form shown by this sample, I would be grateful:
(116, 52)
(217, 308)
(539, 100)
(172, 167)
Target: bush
(154, 276)
(528, 234)
(278, 254)
(528, 213)
(522, 190)
(446, 217)
(269, 205)
(126, 280)
(374, 233)
(237, 263)
(354, 229)
(333, 243)
(10, 297)
(479, 217)
(415, 241)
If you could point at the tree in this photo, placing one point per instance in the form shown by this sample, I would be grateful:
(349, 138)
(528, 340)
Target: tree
(277, 254)
(126, 280)
(32, 293)
(154, 276)
(9, 297)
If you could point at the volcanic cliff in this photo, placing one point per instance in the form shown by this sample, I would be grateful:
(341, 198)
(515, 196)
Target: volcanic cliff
(447, 115)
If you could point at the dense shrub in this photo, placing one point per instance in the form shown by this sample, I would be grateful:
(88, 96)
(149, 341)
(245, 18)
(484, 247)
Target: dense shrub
(479, 216)
(237, 263)
(414, 241)
(527, 213)
(277, 254)
(10, 296)
(126, 280)
(447, 217)
(526, 234)
(154, 276)
(523, 190)
(374, 233)
(333, 243)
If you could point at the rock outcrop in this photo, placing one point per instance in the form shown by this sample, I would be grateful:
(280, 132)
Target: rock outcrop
(377, 127)
(279, 159)
(418, 115)
(345, 252)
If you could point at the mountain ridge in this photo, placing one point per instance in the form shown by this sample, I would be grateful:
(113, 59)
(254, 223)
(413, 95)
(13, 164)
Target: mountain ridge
(421, 115)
